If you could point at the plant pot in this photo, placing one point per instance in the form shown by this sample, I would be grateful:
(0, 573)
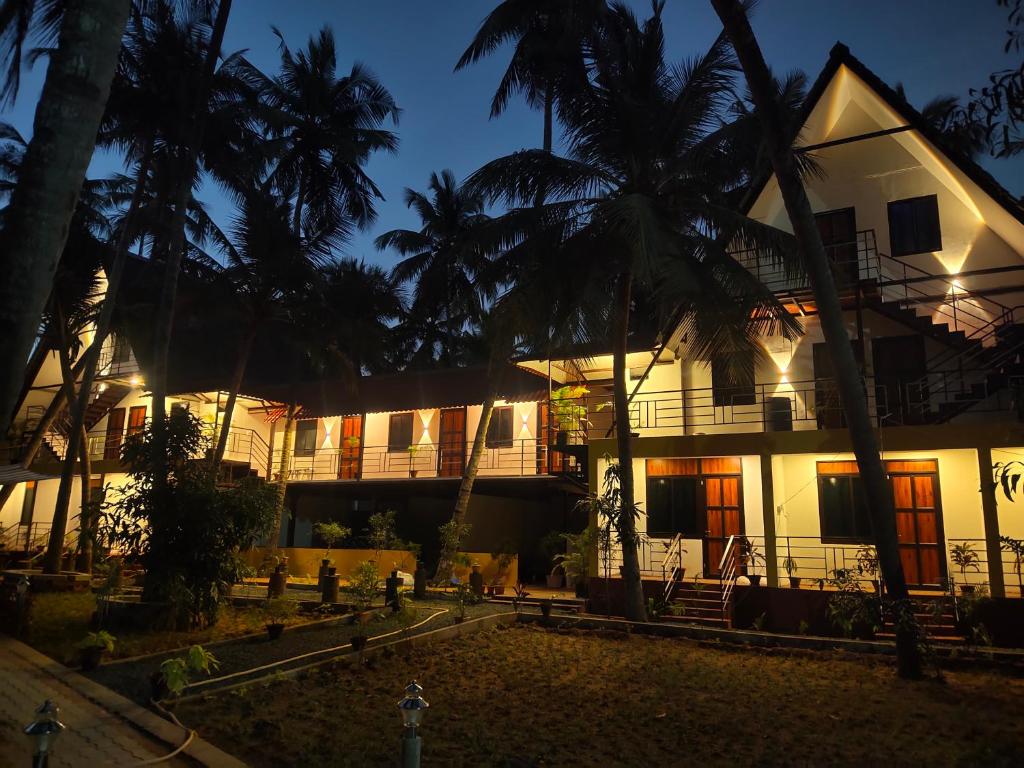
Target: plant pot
(554, 581)
(545, 608)
(498, 589)
(755, 579)
(274, 631)
(412, 472)
(967, 589)
(459, 619)
(358, 642)
(90, 658)
(794, 582)
(582, 588)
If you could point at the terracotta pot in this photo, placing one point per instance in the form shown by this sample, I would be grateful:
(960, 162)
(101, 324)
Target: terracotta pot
(967, 589)
(794, 582)
(554, 581)
(274, 631)
(498, 589)
(459, 619)
(755, 579)
(90, 658)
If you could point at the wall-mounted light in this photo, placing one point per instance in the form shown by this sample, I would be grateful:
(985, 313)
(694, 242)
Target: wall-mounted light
(135, 380)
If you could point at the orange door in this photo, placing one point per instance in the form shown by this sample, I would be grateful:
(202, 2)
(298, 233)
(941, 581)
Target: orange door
(115, 428)
(136, 419)
(350, 458)
(451, 456)
(722, 507)
(919, 528)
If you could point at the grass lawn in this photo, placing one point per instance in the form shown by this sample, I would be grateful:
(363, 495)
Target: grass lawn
(527, 696)
(60, 619)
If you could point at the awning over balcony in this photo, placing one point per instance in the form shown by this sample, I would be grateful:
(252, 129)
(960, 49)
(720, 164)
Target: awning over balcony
(15, 473)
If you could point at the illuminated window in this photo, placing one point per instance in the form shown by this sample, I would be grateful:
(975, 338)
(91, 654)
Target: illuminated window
(499, 430)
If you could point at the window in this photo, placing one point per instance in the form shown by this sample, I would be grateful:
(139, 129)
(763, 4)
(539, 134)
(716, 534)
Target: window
(672, 507)
(305, 437)
(28, 503)
(914, 226)
(399, 432)
(731, 387)
(843, 509)
(499, 431)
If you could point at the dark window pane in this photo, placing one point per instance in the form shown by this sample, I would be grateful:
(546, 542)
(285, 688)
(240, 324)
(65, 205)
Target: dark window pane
(672, 507)
(400, 432)
(914, 226)
(499, 431)
(732, 387)
(305, 438)
(843, 508)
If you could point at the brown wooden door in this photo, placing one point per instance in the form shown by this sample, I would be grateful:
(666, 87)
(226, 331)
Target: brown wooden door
(724, 518)
(919, 527)
(451, 456)
(136, 419)
(839, 236)
(115, 431)
(351, 454)
(900, 365)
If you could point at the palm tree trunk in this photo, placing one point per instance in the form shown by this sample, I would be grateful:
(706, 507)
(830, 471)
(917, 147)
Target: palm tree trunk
(85, 521)
(282, 471)
(63, 138)
(164, 321)
(635, 605)
(847, 373)
(549, 118)
(446, 559)
(229, 408)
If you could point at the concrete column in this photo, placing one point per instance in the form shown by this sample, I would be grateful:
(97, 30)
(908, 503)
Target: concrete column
(768, 513)
(990, 515)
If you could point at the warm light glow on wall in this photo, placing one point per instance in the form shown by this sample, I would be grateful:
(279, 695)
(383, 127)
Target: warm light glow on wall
(135, 381)
(329, 426)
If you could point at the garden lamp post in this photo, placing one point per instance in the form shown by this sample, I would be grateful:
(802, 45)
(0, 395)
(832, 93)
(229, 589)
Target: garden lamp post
(412, 706)
(44, 729)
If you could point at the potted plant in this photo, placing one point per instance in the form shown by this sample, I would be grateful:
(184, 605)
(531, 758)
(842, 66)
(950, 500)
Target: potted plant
(867, 565)
(463, 596)
(791, 567)
(1016, 548)
(413, 449)
(92, 647)
(567, 413)
(965, 558)
(276, 612)
(576, 560)
(554, 580)
(331, 533)
(503, 558)
(520, 594)
(545, 608)
(174, 674)
(749, 555)
(363, 584)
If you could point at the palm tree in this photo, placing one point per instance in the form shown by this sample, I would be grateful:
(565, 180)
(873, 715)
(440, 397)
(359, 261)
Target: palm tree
(444, 259)
(327, 128)
(639, 209)
(848, 379)
(64, 134)
(549, 38)
(962, 131)
(266, 263)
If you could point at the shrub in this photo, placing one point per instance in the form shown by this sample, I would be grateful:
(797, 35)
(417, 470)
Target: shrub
(364, 583)
(101, 639)
(175, 674)
(331, 532)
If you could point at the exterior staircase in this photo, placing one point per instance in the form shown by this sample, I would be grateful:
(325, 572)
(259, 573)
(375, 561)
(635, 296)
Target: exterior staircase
(695, 602)
(936, 615)
(103, 402)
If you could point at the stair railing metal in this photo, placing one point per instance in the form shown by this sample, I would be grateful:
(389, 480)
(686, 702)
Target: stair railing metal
(674, 552)
(727, 568)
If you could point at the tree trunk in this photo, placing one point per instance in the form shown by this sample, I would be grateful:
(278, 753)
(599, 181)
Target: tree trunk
(549, 118)
(63, 138)
(635, 605)
(282, 470)
(844, 364)
(164, 321)
(446, 559)
(229, 408)
(85, 521)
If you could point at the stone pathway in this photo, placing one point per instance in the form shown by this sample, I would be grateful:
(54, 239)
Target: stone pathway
(96, 734)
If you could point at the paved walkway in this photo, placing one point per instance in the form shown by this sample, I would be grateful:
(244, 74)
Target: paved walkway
(103, 729)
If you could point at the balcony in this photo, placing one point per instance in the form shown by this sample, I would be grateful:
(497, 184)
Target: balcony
(514, 458)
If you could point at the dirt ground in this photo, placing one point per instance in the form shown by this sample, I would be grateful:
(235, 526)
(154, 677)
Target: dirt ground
(525, 696)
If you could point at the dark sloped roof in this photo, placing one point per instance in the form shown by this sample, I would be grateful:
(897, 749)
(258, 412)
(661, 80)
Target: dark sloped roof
(840, 55)
(408, 390)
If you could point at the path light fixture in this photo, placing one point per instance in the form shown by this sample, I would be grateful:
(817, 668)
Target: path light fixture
(412, 706)
(44, 729)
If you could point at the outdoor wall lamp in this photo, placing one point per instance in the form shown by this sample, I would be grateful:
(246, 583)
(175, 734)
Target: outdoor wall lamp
(412, 706)
(44, 729)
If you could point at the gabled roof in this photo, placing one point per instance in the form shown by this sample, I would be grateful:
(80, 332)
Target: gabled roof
(840, 56)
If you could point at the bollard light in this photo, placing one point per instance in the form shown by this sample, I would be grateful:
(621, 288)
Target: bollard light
(412, 707)
(44, 729)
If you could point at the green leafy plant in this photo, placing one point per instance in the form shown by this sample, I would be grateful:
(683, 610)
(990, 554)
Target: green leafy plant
(503, 559)
(464, 596)
(277, 610)
(332, 533)
(519, 594)
(568, 413)
(1016, 548)
(867, 561)
(803, 628)
(1006, 476)
(363, 583)
(965, 558)
(102, 640)
(176, 673)
(576, 560)
(790, 565)
(851, 609)
(759, 622)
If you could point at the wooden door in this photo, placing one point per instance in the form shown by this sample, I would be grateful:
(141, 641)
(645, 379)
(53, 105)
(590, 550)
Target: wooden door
(115, 431)
(451, 455)
(136, 419)
(351, 453)
(722, 505)
(919, 527)
(839, 236)
(899, 367)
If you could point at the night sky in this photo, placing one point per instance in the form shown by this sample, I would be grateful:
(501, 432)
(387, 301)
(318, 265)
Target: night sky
(932, 46)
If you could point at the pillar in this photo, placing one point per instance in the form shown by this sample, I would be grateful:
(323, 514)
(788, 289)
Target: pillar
(990, 515)
(771, 559)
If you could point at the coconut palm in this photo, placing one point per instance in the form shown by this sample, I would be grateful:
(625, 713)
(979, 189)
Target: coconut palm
(876, 488)
(42, 205)
(549, 38)
(638, 208)
(445, 260)
(961, 130)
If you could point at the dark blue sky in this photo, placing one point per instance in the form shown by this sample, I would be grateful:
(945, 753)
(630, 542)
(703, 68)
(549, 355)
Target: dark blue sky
(932, 46)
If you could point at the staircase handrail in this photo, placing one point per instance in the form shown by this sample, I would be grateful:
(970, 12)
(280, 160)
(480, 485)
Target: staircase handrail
(727, 575)
(992, 329)
(675, 550)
